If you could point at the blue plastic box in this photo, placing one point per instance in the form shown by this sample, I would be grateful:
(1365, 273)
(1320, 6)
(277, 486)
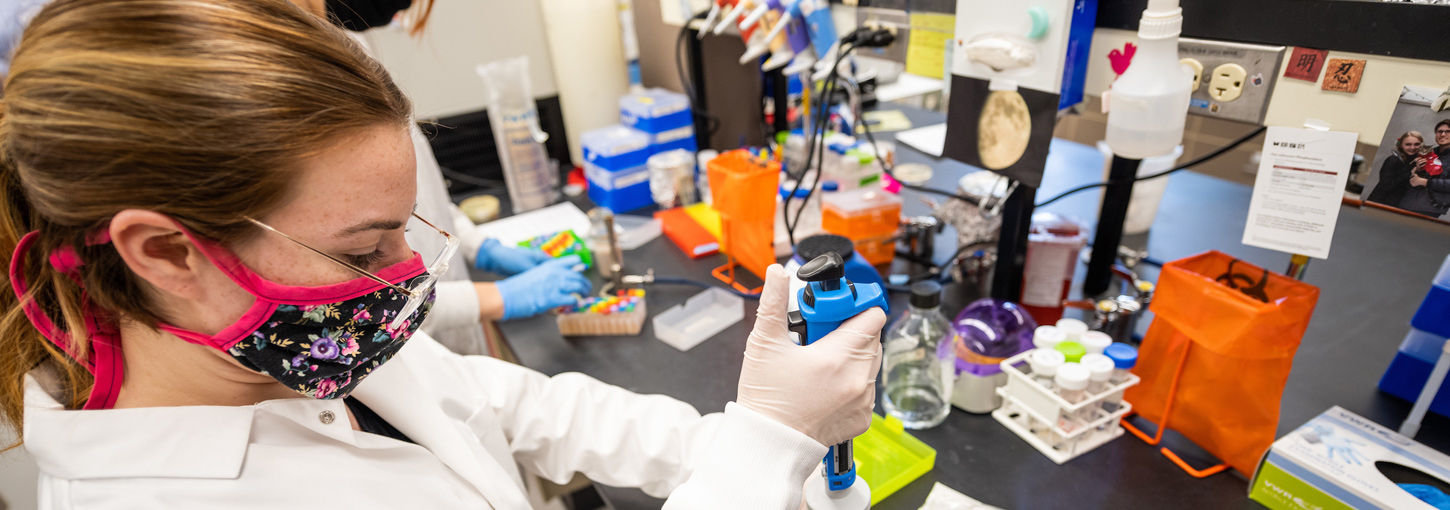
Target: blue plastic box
(655, 111)
(614, 163)
(615, 148)
(620, 191)
(1410, 369)
(680, 138)
(1434, 314)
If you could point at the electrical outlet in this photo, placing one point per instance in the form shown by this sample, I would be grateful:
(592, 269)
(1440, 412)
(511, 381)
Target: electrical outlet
(1255, 67)
(1197, 68)
(1227, 82)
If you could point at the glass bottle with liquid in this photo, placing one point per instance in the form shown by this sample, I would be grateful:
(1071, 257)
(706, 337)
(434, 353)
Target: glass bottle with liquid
(918, 363)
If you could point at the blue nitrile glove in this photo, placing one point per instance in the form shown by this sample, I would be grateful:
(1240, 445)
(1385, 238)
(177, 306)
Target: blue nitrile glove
(547, 286)
(507, 260)
(1429, 494)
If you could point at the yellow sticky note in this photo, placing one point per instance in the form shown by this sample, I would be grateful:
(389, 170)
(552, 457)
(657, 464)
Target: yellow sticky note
(926, 52)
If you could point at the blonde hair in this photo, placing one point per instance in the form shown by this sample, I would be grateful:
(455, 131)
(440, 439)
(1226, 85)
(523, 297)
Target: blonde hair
(198, 109)
(1400, 143)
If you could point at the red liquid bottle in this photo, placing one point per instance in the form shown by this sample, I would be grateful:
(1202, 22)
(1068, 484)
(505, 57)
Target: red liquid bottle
(1052, 252)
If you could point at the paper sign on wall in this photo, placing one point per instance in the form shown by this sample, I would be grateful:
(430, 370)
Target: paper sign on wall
(1299, 189)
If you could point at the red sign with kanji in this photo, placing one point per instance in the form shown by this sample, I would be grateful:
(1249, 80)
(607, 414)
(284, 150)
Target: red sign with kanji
(1305, 63)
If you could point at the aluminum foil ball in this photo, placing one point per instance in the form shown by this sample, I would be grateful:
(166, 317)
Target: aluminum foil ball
(988, 331)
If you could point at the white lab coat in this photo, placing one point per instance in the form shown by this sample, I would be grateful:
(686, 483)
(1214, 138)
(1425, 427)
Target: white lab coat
(474, 419)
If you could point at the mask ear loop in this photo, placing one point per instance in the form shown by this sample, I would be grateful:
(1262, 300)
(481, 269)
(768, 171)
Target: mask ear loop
(104, 360)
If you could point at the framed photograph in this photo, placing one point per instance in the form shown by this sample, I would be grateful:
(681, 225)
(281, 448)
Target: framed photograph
(1411, 170)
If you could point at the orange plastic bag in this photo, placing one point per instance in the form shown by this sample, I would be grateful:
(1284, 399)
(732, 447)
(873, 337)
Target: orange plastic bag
(1217, 355)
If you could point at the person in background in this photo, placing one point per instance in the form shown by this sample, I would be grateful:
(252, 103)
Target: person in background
(214, 304)
(1442, 140)
(14, 14)
(1394, 177)
(534, 282)
(1429, 187)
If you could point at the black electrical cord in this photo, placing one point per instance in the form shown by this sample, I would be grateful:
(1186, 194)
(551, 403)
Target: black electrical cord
(888, 168)
(815, 144)
(670, 280)
(1197, 161)
(712, 122)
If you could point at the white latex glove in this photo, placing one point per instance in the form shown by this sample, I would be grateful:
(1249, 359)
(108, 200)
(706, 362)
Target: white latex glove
(824, 390)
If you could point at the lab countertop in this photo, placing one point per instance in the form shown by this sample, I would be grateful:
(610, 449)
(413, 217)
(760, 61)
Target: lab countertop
(1368, 293)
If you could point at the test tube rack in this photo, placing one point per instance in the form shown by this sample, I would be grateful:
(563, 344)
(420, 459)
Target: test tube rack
(1050, 423)
(622, 314)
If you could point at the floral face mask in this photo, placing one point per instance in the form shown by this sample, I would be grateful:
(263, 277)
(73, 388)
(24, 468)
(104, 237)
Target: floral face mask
(318, 341)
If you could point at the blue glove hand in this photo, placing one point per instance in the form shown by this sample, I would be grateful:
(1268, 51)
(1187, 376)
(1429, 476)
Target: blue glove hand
(549, 285)
(507, 260)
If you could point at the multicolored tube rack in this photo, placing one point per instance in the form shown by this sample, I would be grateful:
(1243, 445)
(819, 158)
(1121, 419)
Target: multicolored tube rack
(560, 244)
(620, 314)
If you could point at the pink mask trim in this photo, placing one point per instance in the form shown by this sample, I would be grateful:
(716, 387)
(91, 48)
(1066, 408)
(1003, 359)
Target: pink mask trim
(104, 360)
(295, 295)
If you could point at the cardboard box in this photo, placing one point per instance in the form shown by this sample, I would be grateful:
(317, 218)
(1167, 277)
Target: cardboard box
(1331, 462)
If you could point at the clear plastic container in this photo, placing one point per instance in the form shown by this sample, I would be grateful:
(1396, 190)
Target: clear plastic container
(919, 363)
(1148, 106)
(861, 213)
(672, 178)
(530, 176)
(702, 316)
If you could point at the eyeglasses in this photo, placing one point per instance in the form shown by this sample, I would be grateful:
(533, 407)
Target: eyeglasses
(420, 291)
(1442, 131)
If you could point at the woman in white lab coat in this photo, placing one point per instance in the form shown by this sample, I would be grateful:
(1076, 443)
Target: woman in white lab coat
(214, 305)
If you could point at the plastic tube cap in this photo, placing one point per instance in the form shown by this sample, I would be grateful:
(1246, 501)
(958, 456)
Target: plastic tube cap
(1072, 350)
(1100, 367)
(1047, 337)
(1123, 355)
(1071, 376)
(1073, 328)
(1095, 341)
(1045, 361)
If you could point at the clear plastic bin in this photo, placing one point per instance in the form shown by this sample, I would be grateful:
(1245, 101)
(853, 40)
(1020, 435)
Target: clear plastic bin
(699, 318)
(861, 213)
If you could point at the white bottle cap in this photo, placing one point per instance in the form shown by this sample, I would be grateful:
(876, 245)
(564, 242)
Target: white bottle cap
(1046, 361)
(1047, 337)
(1095, 341)
(1100, 367)
(1071, 377)
(1073, 328)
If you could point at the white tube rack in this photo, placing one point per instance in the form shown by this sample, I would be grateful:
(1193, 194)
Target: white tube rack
(1049, 423)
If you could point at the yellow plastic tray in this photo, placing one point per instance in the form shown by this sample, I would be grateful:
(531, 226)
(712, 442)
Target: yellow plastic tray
(888, 458)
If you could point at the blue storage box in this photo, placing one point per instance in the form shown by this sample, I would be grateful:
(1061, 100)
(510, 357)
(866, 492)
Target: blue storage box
(681, 138)
(1411, 368)
(655, 111)
(615, 148)
(1434, 313)
(619, 191)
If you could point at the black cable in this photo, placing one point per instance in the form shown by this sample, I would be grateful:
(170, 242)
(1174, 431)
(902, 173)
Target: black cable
(1197, 161)
(670, 280)
(888, 168)
(815, 144)
(487, 184)
(712, 122)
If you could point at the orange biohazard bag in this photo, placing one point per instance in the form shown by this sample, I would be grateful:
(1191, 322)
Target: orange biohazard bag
(1217, 355)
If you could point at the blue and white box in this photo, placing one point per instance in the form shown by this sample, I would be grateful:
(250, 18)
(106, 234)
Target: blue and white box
(655, 111)
(1417, 355)
(614, 163)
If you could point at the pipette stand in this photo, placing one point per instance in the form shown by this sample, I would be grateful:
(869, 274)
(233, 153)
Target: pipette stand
(828, 300)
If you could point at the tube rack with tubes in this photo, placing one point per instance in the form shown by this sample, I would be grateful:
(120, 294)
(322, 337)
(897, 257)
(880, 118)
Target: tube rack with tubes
(1059, 429)
(622, 314)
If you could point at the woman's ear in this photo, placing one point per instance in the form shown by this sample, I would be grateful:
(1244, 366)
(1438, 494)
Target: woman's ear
(156, 250)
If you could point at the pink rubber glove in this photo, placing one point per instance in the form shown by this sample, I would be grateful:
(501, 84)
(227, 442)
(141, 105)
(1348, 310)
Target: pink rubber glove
(824, 390)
